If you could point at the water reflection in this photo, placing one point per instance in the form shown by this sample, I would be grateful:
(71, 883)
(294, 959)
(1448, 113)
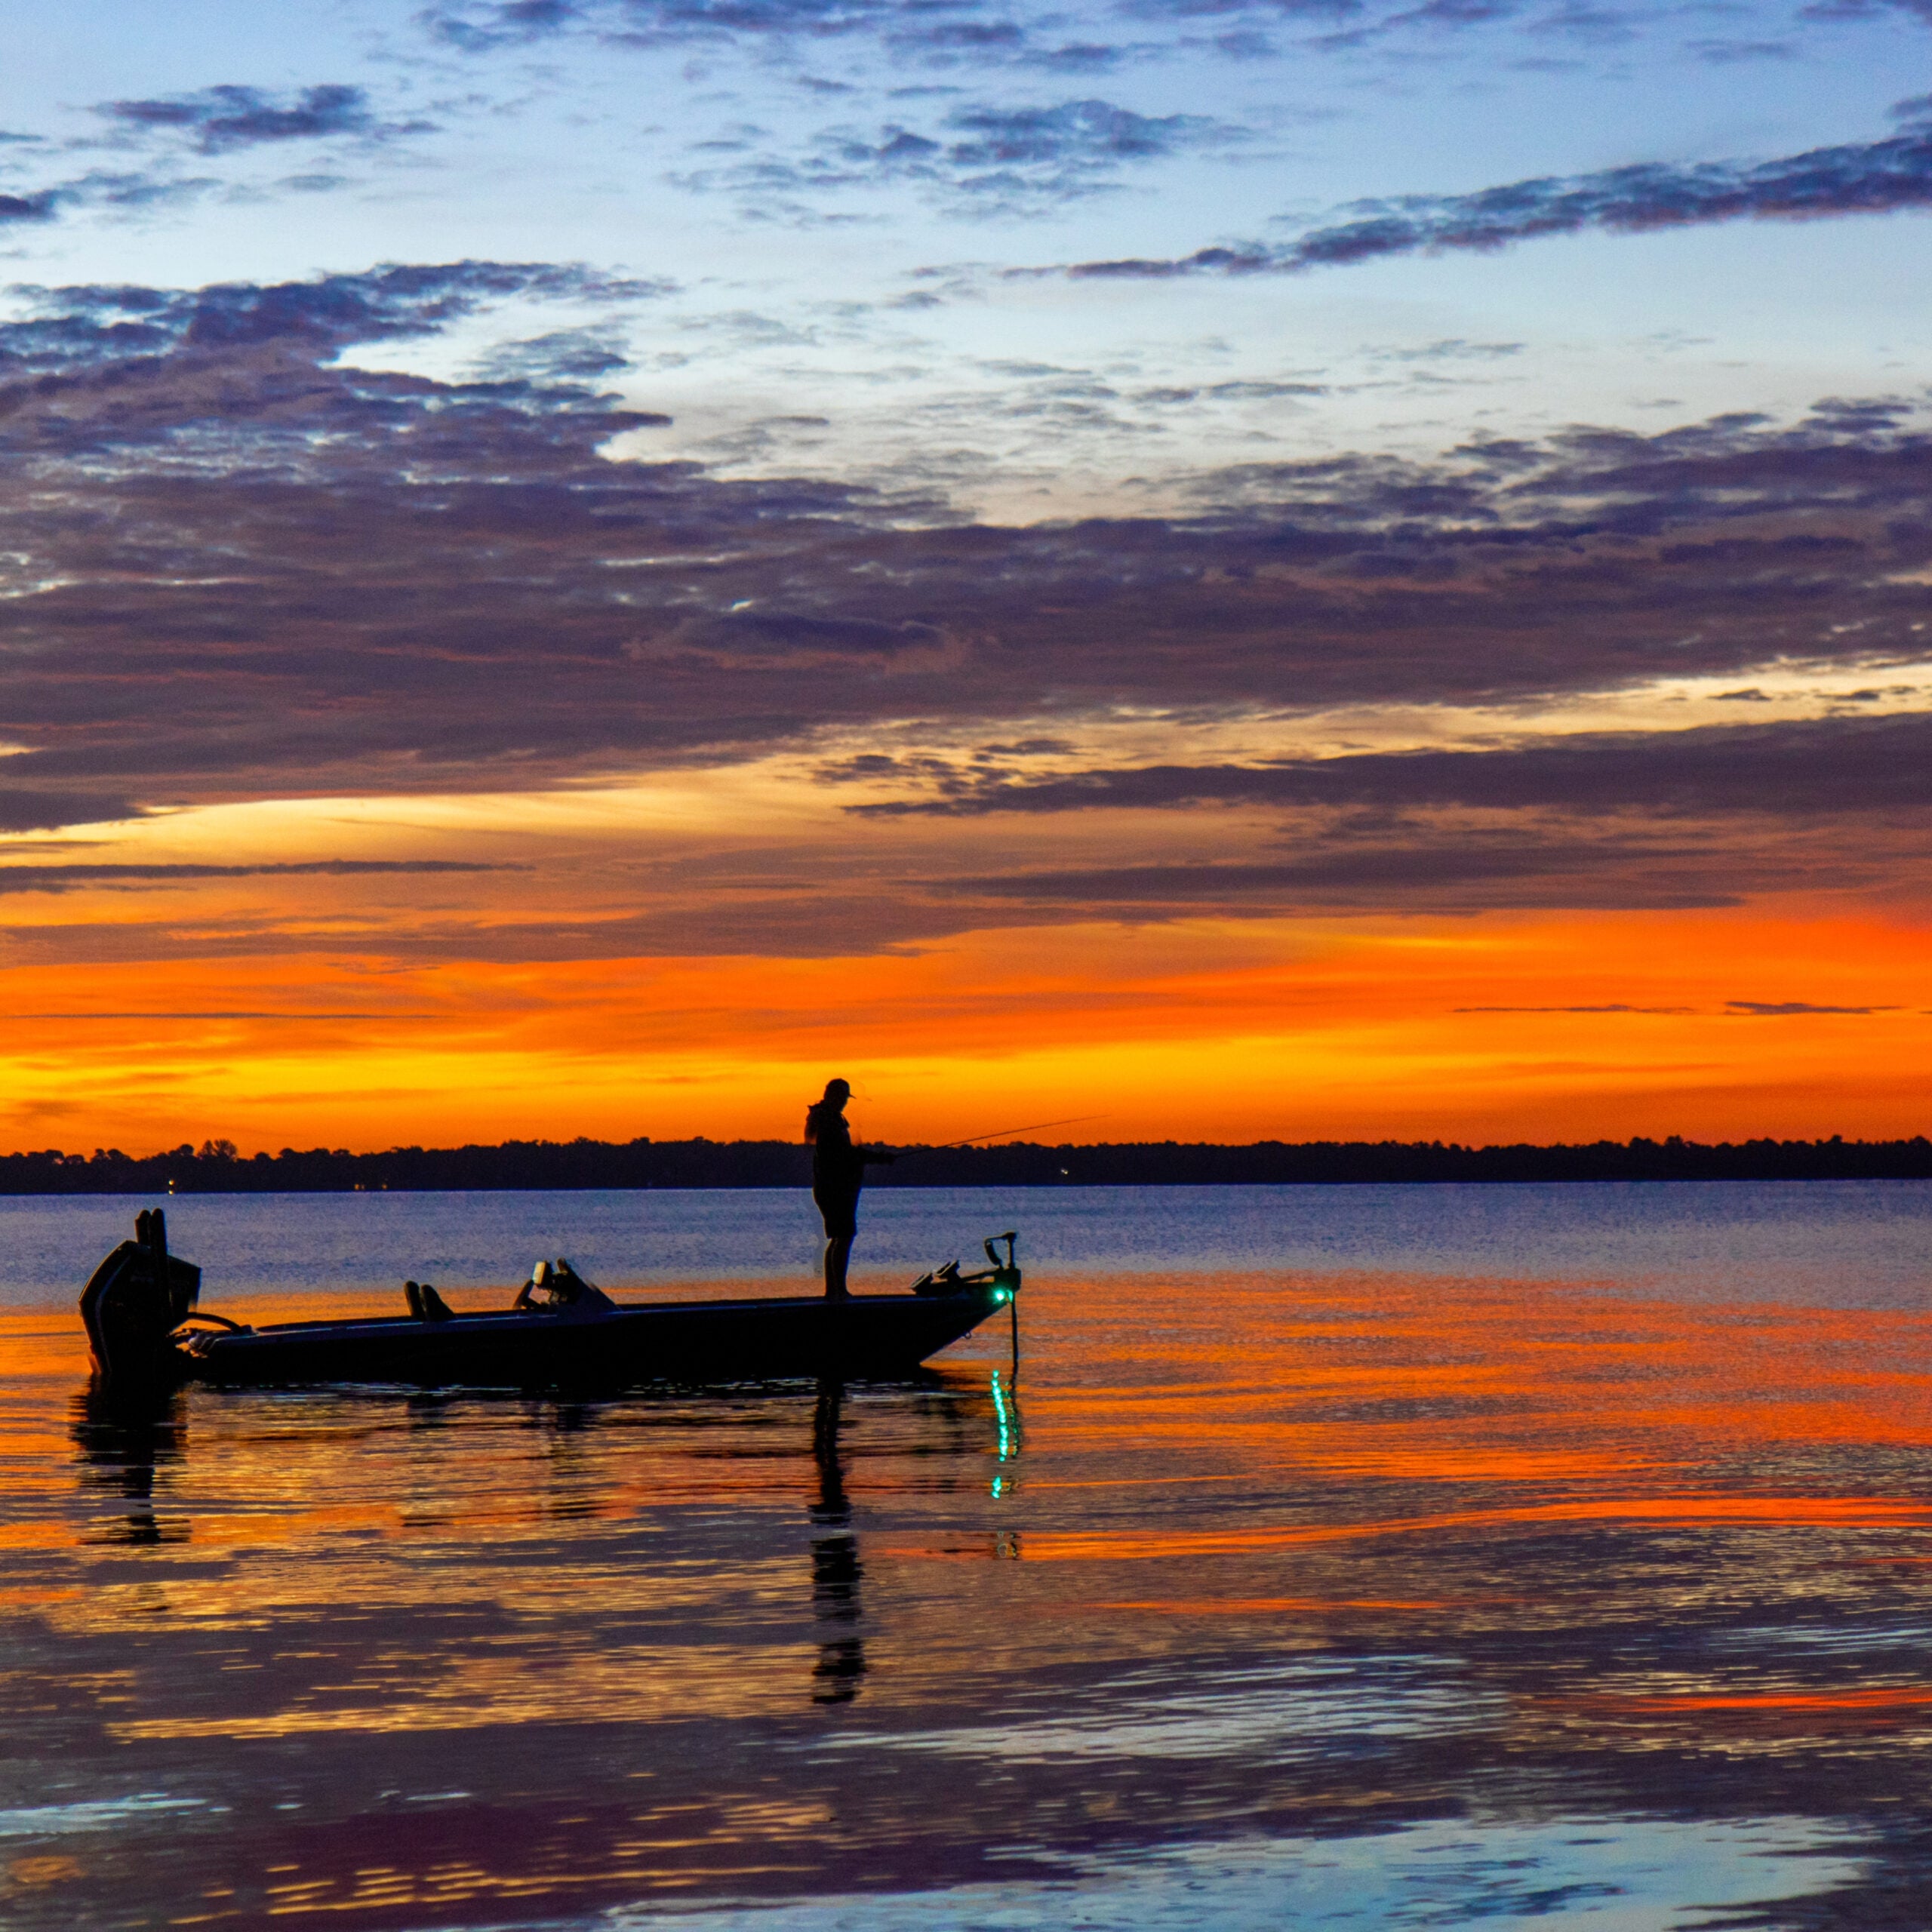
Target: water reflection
(836, 1571)
(1413, 1600)
(122, 1442)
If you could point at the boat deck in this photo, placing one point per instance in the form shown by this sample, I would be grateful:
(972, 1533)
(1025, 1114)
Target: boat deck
(744, 1339)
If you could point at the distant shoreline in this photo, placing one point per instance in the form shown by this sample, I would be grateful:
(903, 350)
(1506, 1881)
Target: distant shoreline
(215, 1168)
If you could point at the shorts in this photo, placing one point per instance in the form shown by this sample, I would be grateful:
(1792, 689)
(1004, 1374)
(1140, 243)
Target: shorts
(842, 1214)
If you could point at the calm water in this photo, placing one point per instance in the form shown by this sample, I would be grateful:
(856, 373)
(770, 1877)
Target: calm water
(1343, 1557)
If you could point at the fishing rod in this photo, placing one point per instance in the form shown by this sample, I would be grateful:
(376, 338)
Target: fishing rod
(1031, 1127)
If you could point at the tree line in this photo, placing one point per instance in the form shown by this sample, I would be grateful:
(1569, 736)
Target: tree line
(216, 1167)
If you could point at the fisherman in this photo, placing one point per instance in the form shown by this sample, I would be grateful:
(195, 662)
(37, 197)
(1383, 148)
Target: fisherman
(838, 1172)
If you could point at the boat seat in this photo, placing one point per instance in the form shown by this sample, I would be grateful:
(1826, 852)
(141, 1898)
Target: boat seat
(425, 1303)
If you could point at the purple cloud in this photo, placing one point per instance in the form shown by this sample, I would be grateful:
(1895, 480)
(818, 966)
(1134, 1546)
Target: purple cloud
(67, 877)
(242, 569)
(979, 153)
(1879, 177)
(42, 206)
(221, 119)
(1803, 769)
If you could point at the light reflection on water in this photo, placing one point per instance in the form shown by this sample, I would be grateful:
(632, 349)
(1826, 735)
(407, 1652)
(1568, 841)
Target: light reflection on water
(1597, 1873)
(1372, 1597)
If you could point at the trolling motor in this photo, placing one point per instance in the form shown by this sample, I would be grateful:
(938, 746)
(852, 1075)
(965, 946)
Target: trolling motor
(1002, 1277)
(134, 1301)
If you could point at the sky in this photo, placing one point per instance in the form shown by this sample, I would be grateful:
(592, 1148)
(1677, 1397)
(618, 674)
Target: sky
(1297, 570)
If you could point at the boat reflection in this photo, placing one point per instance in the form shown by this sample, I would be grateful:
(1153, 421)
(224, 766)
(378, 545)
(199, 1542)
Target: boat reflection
(124, 1443)
(637, 1530)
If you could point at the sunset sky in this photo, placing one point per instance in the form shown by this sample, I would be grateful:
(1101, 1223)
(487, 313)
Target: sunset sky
(1285, 569)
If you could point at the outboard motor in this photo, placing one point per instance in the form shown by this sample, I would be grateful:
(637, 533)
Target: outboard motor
(557, 1284)
(134, 1301)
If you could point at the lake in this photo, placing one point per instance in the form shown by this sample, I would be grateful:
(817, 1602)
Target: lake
(1339, 1557)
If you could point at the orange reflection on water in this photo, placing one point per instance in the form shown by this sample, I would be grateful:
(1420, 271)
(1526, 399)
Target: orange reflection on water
(498, 1649)
(1265, 1606)
(1750, 1722)
(1473, 1380)
(573, 1684)
(1691, 1512)
(1896, 1697)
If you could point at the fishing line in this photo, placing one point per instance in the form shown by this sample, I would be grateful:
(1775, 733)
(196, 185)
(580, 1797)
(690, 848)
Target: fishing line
(1031, 1127)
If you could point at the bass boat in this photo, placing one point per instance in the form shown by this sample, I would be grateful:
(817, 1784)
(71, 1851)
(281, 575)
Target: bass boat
(144, 1328)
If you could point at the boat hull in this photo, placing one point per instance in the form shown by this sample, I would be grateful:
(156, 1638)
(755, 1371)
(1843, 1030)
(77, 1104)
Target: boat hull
(865, 1336)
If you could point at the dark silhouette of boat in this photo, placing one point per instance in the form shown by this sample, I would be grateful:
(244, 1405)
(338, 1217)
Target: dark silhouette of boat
(145, 1330)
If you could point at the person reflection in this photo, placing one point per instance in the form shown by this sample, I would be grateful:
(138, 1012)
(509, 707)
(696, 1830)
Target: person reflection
(836, 1571)
(119, 1440)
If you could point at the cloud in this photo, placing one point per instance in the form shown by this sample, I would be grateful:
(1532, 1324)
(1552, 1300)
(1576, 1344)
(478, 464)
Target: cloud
(41, 206)
(1756, 1009)
(220, 119)
(946, 33)
(377, 1014)
(1817, 768)
(1706, 818)
(1195, 10)
(1879, 177)
(482, 29)
(1784, 1009)
(484, 25)
(958, 36)
(46, 811)
(15, 878)
(1737, 53)
(116, 190)
(1076, 132)
(95, 327)
(215, 120)
(236, 567)
(1437, 870)
(1450, 348)
(580, 355)
(936, 33)
(1078, 56)
(981, 153)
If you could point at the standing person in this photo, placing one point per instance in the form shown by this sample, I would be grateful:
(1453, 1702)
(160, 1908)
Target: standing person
(838, 1172)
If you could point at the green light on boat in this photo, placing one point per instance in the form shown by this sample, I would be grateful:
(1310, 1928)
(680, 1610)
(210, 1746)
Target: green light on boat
(1002, 1294)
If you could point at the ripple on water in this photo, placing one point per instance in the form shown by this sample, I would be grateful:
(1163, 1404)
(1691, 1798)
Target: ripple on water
(1371, 1582)
(1608, 1874)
